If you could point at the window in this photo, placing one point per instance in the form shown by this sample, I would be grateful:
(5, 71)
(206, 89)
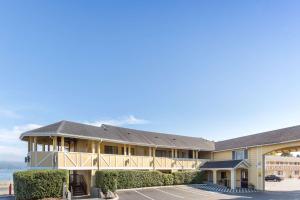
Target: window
(279, 173)
(296, 172)
(132, 151)
(110, 150)
(240, 154)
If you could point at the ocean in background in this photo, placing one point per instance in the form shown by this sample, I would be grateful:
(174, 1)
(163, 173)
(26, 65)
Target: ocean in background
(7, 174)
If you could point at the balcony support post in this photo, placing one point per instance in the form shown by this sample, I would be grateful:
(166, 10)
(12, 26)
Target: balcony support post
(129, 150)
(93, 147)
(35, 143)
(55, 143)
(150, 151)
(43, 147)
(29, 144)
(153, 154)
(99, 152)
(125, 150)
(62, 142)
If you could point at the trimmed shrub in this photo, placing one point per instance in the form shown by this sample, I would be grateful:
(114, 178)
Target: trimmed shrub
(107, 180)
(39, 184)
(168, 179)
(187, 177)
(124, 179)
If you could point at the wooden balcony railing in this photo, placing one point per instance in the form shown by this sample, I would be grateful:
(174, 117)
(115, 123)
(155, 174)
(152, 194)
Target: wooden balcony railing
(78, 160)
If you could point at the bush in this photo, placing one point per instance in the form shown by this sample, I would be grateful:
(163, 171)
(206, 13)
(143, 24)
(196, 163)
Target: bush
(39, 184)
(187, 177)
(127, 179)
(124, 179)
(107, 180)
(168, 179)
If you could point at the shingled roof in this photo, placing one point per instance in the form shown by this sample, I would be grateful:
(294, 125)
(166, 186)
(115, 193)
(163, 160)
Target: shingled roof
(120, 135)
(276, 136)
(222, 164)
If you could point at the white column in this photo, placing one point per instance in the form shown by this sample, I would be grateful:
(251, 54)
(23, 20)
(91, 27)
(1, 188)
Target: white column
(214, 176)
(232, 179)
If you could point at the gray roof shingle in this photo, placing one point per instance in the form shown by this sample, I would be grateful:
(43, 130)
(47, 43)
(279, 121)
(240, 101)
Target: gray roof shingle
(221, 164)
(122, 135)
(270, 137)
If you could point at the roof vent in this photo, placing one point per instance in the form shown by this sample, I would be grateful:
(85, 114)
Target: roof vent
(128, 133)
(104, 128)
(155, 137)
(174, 139)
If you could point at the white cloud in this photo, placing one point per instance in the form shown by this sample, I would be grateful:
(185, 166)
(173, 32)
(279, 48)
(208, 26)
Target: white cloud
(9, 114)
(127, 120)
(11, 147)
(14, 133)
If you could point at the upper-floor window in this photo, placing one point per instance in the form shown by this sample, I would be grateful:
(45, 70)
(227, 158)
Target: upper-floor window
(240, 154)
(110, 149)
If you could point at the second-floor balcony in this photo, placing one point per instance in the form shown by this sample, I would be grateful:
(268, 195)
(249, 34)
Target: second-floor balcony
(62, 153)
(88, 161)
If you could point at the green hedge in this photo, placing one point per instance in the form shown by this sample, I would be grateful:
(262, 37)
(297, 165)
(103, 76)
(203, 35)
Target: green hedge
(168, 179)
(124, 179)
(187, 177)
(39, 184)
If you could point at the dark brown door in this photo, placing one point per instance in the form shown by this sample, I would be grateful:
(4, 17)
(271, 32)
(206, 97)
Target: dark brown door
(244, 178)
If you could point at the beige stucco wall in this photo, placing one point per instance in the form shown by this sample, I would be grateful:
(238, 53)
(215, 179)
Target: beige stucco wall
(223, 155)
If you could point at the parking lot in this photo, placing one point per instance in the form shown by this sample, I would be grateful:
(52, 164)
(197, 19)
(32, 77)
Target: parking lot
(192, 193)
(285, 185)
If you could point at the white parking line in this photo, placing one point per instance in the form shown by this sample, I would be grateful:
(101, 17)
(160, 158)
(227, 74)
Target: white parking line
(195, 191)
(144, 195)
(174, 195)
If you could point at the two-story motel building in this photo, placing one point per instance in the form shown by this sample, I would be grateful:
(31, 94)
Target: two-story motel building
(83, 149)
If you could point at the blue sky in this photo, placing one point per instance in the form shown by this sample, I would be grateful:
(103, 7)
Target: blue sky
(212, 69)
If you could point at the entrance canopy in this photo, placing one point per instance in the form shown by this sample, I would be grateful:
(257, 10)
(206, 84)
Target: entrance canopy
(225, 165)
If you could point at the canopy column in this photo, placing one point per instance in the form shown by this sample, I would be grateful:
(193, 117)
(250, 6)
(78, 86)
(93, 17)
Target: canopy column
(232, 179)
(214, 176)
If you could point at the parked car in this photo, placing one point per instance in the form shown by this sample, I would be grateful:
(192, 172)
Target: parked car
(273, 178)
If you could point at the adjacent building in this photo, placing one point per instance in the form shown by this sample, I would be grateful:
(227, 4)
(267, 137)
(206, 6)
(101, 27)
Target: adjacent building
(82, 149)
(284, 167)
